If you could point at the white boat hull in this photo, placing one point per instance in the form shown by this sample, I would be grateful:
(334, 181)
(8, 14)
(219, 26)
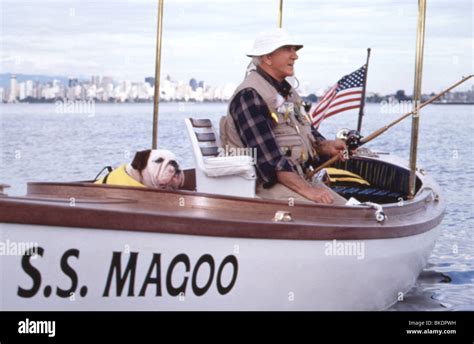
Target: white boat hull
(248, 274)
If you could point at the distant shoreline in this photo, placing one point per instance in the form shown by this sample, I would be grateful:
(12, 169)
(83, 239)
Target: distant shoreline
(186, 102)
(122, 103)
(454, 103)
(189, 102)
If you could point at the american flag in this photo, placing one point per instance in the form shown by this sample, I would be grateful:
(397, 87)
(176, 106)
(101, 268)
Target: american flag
(345, 95)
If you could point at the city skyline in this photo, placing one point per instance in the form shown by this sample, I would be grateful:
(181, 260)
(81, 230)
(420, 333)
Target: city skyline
(305, 89)
(108, 89)
(203, 39)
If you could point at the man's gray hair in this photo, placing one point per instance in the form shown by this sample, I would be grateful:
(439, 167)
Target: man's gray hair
(254, 63)
(256, 60)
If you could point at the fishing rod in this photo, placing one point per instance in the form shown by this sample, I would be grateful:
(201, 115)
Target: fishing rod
(355, 140)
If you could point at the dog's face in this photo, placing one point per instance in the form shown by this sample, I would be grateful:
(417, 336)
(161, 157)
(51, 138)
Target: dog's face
(158, 169)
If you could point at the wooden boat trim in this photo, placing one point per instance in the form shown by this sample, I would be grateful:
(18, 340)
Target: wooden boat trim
(135, 209)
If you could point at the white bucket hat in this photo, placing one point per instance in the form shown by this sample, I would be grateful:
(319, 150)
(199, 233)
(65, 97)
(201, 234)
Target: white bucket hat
(270, 40)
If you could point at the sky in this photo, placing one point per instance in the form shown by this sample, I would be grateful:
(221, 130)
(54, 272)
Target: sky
(208, 40)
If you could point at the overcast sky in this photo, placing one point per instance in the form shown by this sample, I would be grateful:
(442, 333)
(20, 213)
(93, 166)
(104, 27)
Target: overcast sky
(208, 39)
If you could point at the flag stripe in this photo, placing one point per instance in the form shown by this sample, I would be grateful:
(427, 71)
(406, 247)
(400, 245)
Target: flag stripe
(318, 111)
(340, 106)
(329, 92)
(348, 94)
(341, 110)
(345, 101)
(335, 112)
(345, 95)
(326, 99)
(323, 111)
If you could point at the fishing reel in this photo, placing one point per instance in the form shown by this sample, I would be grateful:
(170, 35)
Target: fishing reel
(307, 105)
(351, 138)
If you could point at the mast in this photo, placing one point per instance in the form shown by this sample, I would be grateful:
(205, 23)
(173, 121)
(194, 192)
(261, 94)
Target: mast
(280, 15)
(420, 40)
(362, 102)
(156, 99)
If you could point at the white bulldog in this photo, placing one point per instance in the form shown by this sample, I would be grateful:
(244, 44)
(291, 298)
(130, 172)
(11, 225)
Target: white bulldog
(156, 169)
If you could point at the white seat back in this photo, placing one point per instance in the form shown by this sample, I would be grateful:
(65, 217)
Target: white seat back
(233, 176)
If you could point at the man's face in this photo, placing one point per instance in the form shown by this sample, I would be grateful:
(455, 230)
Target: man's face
(282, 61)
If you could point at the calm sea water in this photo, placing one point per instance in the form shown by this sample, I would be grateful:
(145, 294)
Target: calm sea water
(39, 142)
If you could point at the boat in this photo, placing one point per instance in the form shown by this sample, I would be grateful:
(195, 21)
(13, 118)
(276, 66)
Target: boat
(114, 247)
(213, 245)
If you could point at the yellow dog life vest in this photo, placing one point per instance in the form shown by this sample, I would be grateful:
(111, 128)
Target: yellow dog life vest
(338, 175)
(119, 177)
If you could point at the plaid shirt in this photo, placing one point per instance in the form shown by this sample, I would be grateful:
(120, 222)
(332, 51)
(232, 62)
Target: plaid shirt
(253, 121)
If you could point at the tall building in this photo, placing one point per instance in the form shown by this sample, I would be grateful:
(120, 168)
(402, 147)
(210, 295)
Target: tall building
(72, 82)
(22, 91)
(13, 89)
(29, 88)
(106, 80)
(150, 80)
(95, 80)
(193, 83)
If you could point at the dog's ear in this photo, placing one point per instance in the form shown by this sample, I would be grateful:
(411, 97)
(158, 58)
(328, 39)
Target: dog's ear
(141, 160)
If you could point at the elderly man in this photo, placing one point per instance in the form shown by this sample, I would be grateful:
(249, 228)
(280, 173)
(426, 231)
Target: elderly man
(265, 114)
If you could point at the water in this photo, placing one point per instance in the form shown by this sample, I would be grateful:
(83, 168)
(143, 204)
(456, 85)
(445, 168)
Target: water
(37, 143)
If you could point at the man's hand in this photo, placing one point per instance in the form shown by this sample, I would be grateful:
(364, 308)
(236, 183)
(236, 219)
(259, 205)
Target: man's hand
(318, 195)
(331, 148)
(314, 193)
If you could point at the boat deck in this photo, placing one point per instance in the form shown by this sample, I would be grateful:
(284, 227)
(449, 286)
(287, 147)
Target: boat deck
(89, 205)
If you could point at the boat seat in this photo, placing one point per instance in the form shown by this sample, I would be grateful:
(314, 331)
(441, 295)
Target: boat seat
(216, 174)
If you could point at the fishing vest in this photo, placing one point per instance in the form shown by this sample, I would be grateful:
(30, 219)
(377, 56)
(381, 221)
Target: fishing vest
(291, 124)
(119, 177)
